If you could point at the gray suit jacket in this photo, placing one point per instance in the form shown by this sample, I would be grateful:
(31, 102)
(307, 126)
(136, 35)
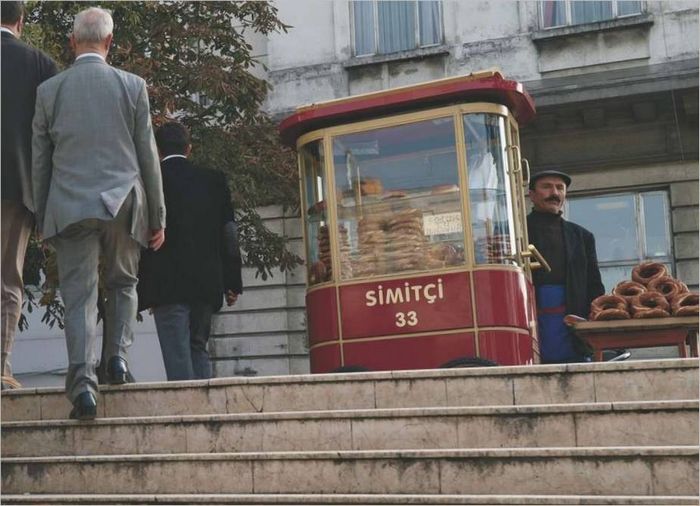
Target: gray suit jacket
(92, 145)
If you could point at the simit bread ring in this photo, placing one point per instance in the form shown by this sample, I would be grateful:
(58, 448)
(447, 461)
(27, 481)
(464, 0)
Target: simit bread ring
(628, 289)
(649, 305)
(685, 304)
(666, 285)
(609, 307)
(648, 271)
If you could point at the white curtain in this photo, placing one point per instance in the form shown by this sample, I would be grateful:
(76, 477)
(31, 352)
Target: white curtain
(397, 26)
(363, 16)
(590, 12)
(429, 19)
(553, 13)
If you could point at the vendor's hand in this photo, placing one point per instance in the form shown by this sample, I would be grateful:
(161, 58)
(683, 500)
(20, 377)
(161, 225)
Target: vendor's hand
(157, 239)
(231, 297)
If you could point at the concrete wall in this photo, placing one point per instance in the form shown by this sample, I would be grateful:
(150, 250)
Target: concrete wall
(314, 62)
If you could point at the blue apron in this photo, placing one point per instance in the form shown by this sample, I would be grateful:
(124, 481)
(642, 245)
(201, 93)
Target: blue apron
(556, 343)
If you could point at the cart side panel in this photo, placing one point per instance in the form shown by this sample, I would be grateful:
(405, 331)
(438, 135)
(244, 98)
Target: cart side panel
(501, 298)
(505, 347)
(324, 359)
(416, 352)
(322, 315)
(406, 306)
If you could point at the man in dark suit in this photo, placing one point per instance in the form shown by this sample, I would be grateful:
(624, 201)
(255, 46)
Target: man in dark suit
(199, 264)
(23, 69)
(574, 280)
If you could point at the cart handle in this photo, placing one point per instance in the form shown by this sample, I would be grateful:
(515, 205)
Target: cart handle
(526, 165)
(541, 263)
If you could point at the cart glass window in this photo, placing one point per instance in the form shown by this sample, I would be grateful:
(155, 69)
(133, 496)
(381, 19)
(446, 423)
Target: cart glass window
(398, 199)
(318, 252)
(490, 198)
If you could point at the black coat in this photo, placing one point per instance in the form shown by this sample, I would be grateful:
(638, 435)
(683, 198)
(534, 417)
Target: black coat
(23, 69)
(193, 265)
(583, 283)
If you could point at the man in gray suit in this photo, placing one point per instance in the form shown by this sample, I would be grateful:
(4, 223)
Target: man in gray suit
(97, 191)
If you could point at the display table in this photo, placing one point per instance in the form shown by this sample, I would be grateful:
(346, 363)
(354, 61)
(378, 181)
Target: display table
(641, 333)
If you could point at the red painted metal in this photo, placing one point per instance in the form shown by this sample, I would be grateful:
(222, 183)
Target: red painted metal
(419, 352)
(492, 88)
(501, 298)
(325, 359)
(415, 304)
(505, 347)
(322, 319)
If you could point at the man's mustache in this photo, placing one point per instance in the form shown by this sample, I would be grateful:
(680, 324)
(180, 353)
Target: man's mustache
(553, 199)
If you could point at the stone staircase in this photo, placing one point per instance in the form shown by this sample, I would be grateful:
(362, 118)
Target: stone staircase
(610, 433)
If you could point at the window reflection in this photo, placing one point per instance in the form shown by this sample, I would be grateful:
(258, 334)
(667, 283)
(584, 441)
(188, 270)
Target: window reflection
(398, 199)
(489, 189)
(318, 253)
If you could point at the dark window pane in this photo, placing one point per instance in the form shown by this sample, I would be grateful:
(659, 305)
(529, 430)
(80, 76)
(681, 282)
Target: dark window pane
(590, 12)
(397, 26)
(612, 220)
(553, 13)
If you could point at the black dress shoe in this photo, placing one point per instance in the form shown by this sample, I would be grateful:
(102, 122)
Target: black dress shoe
(117, 371)
(84, 407)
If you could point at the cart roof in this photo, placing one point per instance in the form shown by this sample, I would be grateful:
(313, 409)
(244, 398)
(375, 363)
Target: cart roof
(484, 86)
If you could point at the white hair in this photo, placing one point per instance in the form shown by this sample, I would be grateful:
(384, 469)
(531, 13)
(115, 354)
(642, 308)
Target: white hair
(92, 25)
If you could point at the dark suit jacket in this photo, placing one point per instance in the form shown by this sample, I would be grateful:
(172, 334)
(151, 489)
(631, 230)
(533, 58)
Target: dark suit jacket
(583, 283)
(194, 265)
(23, 69)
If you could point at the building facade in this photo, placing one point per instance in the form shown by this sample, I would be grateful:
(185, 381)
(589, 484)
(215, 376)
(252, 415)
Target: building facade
(616, 89)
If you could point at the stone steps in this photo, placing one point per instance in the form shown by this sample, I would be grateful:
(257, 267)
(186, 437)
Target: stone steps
(562, 425)
(610, 433)
(347, 499)
(650, 471)
(492, 386)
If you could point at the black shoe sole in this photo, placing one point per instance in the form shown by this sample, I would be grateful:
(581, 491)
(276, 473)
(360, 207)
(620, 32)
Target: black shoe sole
(84, 414)
(120, 379)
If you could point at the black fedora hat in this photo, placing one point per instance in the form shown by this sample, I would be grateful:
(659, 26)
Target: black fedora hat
(545, 173)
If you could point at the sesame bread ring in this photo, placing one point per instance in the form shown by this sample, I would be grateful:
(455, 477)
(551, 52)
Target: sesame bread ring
(610, 314)
(629, 289)
(666, 285)
(685, 304)
(650, 305)
(648, 271)
(609, 307)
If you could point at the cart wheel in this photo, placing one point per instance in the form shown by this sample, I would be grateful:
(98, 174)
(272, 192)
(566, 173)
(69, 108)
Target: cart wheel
(350, 368)
(468, 362)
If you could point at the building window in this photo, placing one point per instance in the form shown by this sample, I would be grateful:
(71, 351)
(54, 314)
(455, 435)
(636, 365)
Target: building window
(629, 228)
(383, 27)
(576, 12)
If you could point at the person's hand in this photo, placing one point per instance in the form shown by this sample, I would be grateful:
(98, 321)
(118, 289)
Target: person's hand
(231, 297)
(157, 239)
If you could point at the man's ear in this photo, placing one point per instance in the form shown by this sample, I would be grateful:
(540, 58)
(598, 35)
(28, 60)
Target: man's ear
(71, 42)
(20, 25)
(108, 42)
(188, 150)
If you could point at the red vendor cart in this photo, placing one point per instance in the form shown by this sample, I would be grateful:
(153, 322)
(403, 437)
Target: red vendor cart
(414, 226)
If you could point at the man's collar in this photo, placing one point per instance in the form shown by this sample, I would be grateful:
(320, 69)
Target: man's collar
(7, 30)
(90, 54)
(173, 156)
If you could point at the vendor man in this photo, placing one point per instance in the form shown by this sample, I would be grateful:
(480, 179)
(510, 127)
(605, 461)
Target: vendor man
(575, 278)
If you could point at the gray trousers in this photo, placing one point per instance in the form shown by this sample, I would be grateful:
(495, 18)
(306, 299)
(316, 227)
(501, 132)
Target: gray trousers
(78, 249)
(183, 332)
(16, 228)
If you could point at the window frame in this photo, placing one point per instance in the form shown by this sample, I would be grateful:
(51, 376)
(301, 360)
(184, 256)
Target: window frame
(416, 32)
(568, 16)
(640, 226)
